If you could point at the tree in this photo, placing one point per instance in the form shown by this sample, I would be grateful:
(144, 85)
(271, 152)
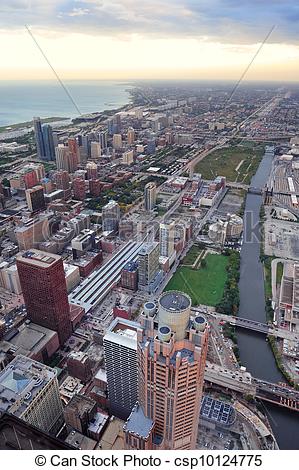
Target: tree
(6, 182)
(203, 263)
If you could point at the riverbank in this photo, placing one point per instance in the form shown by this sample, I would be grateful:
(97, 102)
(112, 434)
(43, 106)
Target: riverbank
(256, 353)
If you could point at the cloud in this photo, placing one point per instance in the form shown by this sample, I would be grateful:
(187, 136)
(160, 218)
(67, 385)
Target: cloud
(227, 21)
(79, 12)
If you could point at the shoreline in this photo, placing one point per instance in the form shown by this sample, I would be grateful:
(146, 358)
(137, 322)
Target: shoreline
(26, 125)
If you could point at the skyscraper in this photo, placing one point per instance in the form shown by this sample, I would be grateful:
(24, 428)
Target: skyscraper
(148, 265)
(74, 153)
(171, 365)
(35, 198)
(65, 159)
(38, 134)
(44, 289)
(120, 345)
(92, 171)
(151, 146)
(29, 390)
(62, 179)
(110, 217)
(150, 196)
(48, 143)
(117, 122)
(62, 158)
(167, 239)
(95, 150)
(103, 140)
(117, 142)
(131, 136)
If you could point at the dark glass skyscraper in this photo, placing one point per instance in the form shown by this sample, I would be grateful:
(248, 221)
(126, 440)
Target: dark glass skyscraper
(48, 142)
(38, 133)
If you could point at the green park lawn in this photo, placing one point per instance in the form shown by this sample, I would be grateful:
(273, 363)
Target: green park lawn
(225, 162)
(204, 285)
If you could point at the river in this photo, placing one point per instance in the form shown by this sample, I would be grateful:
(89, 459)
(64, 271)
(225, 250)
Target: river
(255, 351)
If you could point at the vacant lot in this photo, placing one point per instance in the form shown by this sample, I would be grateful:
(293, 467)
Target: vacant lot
(238, 162)
(204, 285)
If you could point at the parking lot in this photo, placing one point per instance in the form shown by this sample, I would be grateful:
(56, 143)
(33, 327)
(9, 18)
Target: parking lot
(281, 239)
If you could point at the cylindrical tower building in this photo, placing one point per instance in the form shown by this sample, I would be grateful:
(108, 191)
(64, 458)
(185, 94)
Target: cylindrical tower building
(174, 311)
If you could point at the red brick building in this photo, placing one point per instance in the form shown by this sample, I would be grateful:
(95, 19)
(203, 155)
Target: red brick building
(79, 189)
(45, 293)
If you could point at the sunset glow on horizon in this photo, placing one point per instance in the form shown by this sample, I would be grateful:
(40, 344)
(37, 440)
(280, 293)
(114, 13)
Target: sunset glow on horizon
(125, 40)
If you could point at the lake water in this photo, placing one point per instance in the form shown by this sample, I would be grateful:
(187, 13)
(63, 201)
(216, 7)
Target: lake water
(21, 100)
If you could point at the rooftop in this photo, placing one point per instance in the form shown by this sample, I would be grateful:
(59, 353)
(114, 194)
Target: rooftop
(38, 258)
(138, 423)
(175, 301)
(20, 383)
(113, 438)
(147, 248)
(124, 332)
(30, 338)
(81, 404)
(79, 441)
(217, 411)
(98, 423)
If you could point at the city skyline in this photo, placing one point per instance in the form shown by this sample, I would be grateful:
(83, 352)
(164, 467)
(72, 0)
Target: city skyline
(161, 40)
(149, 209)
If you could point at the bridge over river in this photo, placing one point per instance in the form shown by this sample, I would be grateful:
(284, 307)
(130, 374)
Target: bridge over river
(242, 382)
(254, 325)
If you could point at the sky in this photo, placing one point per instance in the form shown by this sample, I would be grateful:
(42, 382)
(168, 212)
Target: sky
(127, 39)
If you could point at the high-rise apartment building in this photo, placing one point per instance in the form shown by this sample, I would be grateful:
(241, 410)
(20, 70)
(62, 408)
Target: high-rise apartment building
(95, 187)
(79, 189)
(117, 142)
(151, 146)
(103, 139)
(120, 345)
(38, 134)
(29, 178)
(171, 365)
(128, 157)
(74, 152)
(32, 231)
(85, 145)
(35, 198)
(62, 158)
(110, 217)
(95, 150)
(129, 276)
(148, 264)
(117, 122)
(65, 159)
(131, 136)
(167, 232)
(44, 289)
(29, 390)
(92, 171)
(62, 179)
(49, 147)
(150, 196)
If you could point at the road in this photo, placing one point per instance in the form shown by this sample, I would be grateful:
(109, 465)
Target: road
(254, 326)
